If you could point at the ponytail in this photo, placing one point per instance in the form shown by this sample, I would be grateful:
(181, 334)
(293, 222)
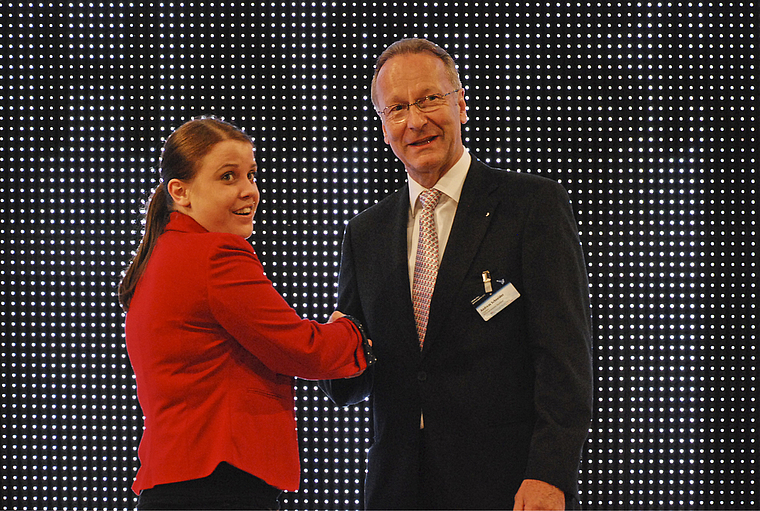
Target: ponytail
(156, 218)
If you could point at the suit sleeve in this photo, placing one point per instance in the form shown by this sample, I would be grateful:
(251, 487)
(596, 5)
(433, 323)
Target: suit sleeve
(559, 327)
(349, 391)
(247, 306)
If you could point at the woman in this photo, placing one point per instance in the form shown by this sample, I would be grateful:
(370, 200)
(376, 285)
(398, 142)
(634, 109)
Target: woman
(214, 347)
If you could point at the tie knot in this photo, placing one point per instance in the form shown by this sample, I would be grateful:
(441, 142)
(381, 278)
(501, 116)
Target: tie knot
(429, 198)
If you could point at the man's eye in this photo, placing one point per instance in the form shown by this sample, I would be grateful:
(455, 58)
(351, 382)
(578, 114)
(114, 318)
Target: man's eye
(396, 108)
(434, 97)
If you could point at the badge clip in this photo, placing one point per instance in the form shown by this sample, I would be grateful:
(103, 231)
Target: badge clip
(487, 282)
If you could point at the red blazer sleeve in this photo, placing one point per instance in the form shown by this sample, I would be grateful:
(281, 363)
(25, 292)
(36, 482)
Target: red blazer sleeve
(245, 303)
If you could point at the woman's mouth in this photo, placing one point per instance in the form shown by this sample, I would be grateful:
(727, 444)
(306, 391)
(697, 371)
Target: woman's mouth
(244, 211)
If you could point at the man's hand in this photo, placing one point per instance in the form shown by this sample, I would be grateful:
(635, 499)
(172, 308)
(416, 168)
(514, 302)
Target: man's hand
(335, 315)
(535, 494)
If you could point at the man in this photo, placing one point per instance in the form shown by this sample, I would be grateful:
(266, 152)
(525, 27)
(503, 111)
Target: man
(481, 395)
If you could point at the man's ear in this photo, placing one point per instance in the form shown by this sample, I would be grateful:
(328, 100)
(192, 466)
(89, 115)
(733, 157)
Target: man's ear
(178, 191)
(462, 107)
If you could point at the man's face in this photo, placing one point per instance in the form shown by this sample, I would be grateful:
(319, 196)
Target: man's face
(428, 143)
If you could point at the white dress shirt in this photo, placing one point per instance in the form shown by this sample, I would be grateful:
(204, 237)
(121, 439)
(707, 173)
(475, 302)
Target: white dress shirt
(450, 184)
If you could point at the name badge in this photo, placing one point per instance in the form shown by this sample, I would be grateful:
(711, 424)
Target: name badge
(491, 304)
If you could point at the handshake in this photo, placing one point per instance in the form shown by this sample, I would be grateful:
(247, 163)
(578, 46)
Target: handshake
(368, 355)
(335, 315)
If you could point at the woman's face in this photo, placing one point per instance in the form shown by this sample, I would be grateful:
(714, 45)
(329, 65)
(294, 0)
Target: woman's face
(223, 195)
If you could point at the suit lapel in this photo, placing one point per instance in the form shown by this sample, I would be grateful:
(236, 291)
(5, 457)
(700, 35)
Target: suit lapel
(398, 257)
(474, 212)
(399, 296)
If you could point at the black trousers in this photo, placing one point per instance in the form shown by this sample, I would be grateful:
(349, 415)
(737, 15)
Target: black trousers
(431, 496)
(226, 488)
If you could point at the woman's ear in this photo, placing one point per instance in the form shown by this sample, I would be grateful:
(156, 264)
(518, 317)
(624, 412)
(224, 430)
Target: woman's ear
(178, 191)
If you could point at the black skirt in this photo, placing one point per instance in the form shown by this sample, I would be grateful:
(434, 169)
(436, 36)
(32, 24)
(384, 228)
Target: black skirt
(226, 488)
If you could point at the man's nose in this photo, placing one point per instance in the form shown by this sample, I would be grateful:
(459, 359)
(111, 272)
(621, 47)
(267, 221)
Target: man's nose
(415, 117)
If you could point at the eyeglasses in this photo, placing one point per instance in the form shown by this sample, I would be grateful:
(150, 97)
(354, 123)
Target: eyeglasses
(399, 112)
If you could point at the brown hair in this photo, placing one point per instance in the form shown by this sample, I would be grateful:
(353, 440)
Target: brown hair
(413, 46)
(180, 157)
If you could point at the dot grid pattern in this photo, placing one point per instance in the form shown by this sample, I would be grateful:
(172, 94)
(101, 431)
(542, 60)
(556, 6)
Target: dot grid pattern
(644, 111)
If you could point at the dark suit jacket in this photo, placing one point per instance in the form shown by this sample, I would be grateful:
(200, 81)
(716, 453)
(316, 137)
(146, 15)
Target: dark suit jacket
(215, 348)
(504, 399)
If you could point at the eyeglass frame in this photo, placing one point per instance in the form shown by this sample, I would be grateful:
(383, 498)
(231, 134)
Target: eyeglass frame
(407, 106)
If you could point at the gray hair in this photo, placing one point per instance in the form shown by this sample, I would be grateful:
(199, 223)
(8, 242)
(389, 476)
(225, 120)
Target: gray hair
(414, 46)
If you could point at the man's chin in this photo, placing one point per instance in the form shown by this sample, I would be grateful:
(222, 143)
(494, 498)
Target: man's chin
(426, 176)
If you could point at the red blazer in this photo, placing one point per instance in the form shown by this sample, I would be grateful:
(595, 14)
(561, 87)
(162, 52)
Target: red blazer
(215, 350)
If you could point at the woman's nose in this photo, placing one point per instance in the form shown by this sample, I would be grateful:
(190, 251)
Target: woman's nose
(250, 190)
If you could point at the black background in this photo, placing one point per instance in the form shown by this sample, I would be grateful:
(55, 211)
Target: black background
(645, 112)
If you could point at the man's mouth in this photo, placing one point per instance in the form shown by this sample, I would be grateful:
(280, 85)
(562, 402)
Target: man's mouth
(423, 141)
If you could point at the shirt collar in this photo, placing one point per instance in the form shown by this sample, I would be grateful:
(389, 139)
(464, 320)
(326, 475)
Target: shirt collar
(450, 184)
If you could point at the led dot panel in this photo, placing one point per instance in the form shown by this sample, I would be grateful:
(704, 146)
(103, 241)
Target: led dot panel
(645, 111)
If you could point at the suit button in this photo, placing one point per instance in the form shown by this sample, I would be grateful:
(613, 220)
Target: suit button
(421, 376)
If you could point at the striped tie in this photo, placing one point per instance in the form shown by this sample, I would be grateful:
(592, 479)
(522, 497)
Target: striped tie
(426, 264)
